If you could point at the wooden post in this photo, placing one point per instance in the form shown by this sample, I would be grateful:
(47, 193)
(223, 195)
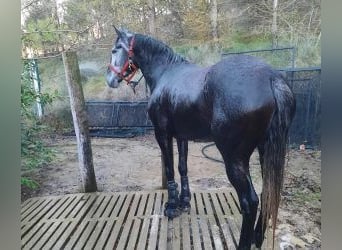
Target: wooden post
(77, 104)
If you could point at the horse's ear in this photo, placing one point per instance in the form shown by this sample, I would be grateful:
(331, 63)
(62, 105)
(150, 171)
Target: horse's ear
(118, 32)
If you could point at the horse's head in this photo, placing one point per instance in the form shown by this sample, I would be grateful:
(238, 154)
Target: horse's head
(121, 66)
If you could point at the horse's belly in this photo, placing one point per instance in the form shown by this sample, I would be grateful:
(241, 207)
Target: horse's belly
(191, 127)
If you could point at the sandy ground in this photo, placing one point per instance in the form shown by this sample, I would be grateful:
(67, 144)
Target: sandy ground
(134, 164)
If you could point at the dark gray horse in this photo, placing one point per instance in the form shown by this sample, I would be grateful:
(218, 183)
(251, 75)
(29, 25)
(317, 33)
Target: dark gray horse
(240, 103)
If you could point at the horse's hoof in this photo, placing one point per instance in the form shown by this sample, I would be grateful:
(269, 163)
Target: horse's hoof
(172, 212)
(185, 207)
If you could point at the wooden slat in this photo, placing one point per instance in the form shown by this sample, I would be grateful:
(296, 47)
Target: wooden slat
(76, 235)
(35, 230)
(185, 227)
(162, 244)
(102, 207)
(60, 237)
(143, 233)
(108, 210)
(215, 230)
(51, 231)
(82, 241)
(102, 241)
(153, 233)
(92, 241)
(194, 224)
(133, 236)
(114, 235)
(96, 205)
(203, 225)
(34, 211)
(175, 233)
(141, 208)
(35, 237)
(223, 224)
(130, 221)
(82, 206)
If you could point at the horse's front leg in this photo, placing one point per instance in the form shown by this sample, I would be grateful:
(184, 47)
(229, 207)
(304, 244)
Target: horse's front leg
(185, 195)
(165, 143)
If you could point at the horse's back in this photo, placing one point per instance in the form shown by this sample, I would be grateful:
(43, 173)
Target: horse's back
(241, 82)
(242, 97)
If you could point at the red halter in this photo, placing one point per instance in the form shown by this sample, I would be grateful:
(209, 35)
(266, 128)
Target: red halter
(128, 65)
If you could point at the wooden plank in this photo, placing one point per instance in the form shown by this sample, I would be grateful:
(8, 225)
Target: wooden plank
(162, 244)
(152, 241)
(114, 235)
(175, 233)
(51, 231)
(224, 204)
(185, 229)
(27, 204)
(55, 208)
(76, 235)
(102, 241)
(125, 234)
(88, 221)
(133, 236)
(92, 241)
(34, 210)
(124, 210)
(83, 240)
(144, 233)
(119, 204)
(234, 229)
(223, 223)
(131, 211)
(91, 210)
(34, 230)
(194, 220)
(150, 203)
(61, 235)
(142, 204)
(108, 210)
(82, 207)
(70, 203)
(214, 228)
(102, 207)
(203, 224)
(158, 209)
(31, 241)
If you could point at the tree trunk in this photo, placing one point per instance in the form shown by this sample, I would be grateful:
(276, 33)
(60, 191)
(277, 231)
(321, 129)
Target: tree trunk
(213, 19)
(274, 24)
(77, 104)
(152, 17)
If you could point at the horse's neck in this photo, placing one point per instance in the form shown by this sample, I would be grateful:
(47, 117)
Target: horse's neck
(153, 61)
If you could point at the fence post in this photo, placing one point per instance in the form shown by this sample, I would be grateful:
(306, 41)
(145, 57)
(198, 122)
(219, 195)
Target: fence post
(77, 104)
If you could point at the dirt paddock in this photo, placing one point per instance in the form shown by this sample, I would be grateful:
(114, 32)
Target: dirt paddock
(134, 164)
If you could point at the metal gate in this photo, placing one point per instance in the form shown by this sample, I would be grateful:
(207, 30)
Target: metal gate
(117, 119)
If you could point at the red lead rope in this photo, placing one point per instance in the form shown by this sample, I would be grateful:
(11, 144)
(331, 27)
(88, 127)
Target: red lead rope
(128, 65)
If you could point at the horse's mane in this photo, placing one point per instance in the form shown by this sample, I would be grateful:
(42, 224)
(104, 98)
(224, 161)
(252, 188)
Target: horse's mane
(156, 47)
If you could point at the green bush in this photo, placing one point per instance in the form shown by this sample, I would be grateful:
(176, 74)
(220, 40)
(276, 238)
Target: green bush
(34, 154)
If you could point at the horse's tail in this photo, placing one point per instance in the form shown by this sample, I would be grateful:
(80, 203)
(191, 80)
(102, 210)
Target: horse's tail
(274, 149)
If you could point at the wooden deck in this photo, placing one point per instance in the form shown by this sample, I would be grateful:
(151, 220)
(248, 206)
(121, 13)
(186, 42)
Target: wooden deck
(132, 220)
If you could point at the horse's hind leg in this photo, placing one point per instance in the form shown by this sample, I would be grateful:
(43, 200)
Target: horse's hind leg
(183, 171)
(236, 160)
(165, 143)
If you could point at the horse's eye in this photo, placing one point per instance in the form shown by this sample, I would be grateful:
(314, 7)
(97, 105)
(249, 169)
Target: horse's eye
(114, 51)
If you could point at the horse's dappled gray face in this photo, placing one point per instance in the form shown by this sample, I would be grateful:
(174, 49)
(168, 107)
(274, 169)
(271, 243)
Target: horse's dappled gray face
(119, 56)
